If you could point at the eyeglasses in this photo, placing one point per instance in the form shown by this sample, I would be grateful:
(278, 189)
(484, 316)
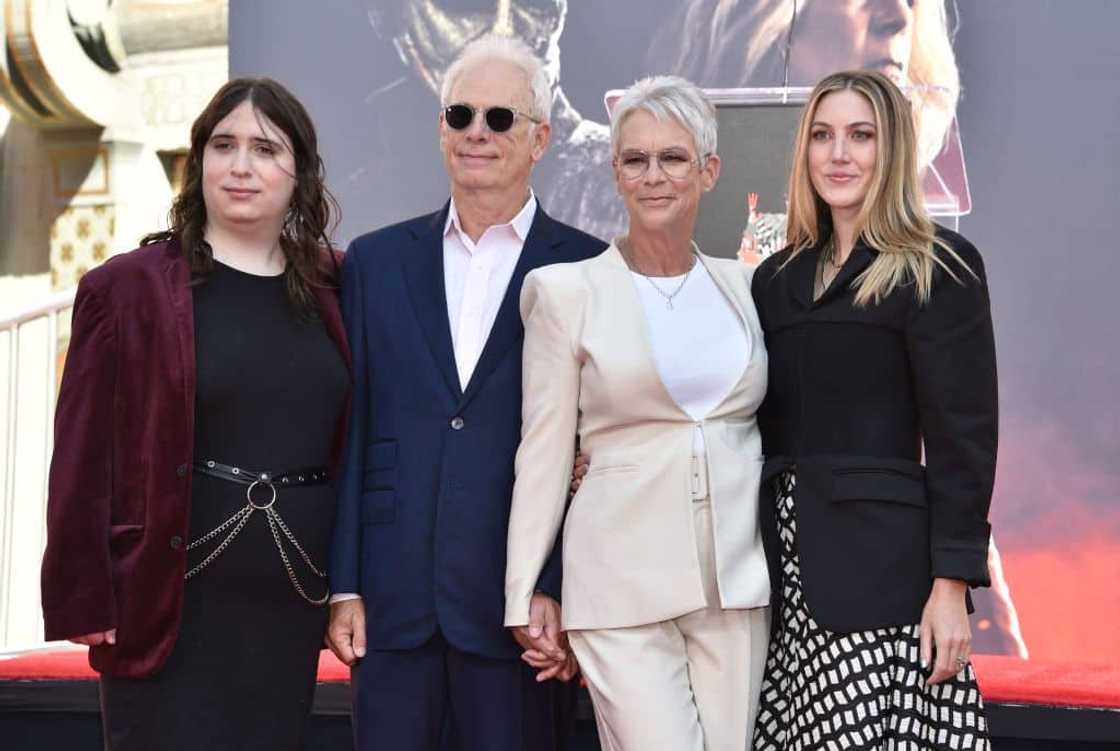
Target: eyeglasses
(674, 163)
(498, 119)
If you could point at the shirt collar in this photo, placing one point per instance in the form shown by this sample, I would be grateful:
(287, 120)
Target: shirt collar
(520, 223)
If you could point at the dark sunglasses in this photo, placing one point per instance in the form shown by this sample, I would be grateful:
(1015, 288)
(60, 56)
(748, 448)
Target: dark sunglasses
(498, 119)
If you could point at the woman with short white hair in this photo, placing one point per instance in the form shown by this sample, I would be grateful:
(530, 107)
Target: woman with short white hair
(652, 356)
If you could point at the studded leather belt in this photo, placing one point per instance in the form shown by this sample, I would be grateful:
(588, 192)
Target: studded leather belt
(268, 482)
(296, 477)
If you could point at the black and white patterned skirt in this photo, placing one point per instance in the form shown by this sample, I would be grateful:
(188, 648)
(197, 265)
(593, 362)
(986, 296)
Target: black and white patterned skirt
(864, 690)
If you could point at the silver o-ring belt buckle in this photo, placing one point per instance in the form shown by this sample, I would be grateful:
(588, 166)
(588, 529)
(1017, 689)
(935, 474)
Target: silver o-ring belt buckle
(249, 494)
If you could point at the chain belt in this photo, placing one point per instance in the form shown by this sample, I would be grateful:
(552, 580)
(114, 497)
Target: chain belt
(267, 481)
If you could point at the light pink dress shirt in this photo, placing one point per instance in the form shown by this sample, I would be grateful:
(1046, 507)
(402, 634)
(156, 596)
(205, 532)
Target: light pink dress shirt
(476, 276)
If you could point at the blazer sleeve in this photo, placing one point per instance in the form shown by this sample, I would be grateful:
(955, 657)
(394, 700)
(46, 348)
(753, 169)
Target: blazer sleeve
(77, 576)
(549, 418)
(953, 363)
(346, 544)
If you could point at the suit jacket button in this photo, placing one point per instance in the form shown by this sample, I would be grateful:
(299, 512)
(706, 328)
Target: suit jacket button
(181, 470)
(176, 543)
(457, 423)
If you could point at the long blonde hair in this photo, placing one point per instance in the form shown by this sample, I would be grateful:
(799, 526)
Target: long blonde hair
(893, 218)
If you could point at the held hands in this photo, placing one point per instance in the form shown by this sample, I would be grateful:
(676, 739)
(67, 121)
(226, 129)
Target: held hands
(546, 647)
(944, 630)
(346, 632)
(97, 638)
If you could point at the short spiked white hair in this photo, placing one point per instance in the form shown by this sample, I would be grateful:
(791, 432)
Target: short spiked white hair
(667, 97)
(511, 50)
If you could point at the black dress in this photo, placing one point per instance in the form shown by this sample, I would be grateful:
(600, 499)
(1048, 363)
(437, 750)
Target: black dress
(271, 387)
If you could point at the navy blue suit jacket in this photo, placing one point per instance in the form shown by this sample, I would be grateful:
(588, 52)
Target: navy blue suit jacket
(424, 491)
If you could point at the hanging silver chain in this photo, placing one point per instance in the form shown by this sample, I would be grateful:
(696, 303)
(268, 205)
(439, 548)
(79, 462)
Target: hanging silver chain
(274, 520)
(243, 515)
(241, 518)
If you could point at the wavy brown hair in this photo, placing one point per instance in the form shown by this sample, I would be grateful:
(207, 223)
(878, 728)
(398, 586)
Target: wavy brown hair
(304, 239)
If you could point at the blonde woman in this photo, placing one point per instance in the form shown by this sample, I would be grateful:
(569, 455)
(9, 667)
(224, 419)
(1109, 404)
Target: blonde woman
(881, 350)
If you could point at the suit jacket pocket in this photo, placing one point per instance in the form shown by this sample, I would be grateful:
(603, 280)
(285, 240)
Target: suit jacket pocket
(379, 506)
(878, 484)
(380, 466)
(611, 462)
(124, 538)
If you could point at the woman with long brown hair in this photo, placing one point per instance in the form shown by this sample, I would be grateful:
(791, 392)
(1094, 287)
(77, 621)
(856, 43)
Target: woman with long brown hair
(879, 430)
(203, 396)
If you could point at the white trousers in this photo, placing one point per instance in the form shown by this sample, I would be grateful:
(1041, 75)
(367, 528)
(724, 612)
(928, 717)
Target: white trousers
(688, 684)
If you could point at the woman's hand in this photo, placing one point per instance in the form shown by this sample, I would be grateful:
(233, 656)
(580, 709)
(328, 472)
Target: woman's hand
(561, 669)
(97, 638)
(944, 629)
(579, 469)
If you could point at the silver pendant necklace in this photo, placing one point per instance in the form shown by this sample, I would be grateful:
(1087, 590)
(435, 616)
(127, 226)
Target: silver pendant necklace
(670, 295)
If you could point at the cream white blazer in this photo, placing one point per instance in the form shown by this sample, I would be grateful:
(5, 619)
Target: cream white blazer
(629, 549)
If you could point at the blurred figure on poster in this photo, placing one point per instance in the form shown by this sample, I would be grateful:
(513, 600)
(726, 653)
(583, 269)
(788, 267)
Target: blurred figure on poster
(202, 407)
(766, 43)
(419, 550)
(428, 34)
(880, 460)
(651, 354)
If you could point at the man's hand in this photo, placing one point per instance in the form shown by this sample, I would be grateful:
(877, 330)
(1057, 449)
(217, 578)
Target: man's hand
(544, 644)
(97, 638)
(579, 469)
(346, 632)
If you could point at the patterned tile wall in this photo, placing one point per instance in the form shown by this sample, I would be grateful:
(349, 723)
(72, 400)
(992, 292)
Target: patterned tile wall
(80, 239)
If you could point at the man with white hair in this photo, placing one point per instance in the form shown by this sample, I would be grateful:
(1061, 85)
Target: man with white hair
(418, 562)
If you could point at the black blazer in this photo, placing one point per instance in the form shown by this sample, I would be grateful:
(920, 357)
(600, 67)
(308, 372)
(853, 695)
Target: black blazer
(854, 396)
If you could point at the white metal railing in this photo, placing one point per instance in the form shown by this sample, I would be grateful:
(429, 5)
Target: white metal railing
(30, 345)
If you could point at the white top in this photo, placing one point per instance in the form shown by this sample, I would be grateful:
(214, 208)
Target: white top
(475, 277)
(700, 346)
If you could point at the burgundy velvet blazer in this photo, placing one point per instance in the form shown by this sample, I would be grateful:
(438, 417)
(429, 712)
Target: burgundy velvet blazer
(120, 479)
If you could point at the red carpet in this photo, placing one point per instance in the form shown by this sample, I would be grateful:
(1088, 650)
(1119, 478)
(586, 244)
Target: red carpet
(1006, 680)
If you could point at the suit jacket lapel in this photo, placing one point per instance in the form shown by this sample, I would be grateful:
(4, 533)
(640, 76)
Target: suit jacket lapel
(507, 329)
(632, 339)
(858, 260)
(177, 273)
(423, 273)
(331, 315)
(801, 273)
(748, 317)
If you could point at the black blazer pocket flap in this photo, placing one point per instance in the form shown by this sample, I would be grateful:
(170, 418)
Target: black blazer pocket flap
(878, 484)
(379, 506)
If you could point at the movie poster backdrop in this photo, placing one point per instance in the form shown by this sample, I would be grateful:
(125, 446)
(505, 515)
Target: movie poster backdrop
(1017, 132)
